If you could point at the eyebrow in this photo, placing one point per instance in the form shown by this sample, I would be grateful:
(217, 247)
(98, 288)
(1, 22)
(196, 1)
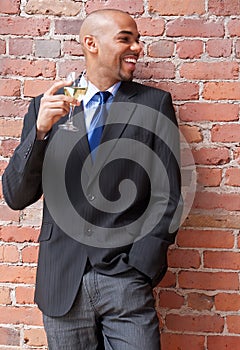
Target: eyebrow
(128, 33)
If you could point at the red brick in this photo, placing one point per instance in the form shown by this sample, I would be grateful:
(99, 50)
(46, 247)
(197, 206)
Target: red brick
(10, 6)
(223, 342)
(233, 324)
(18, 234)
(215, 219)
(209, 176)
(7, 147)
(2, 47)
(211, 156)
(7, 214)
(155, 70)
(211, 219)
(179, 91)
(226, 133)
(67, 66)
(168, 281)
(72, 47)
(150, 26)
(237, 48)
(190, 49)
(208, 280)
(20, 46)
(195, 323)
(34, 88)
(186, 161)
(233, 177)
(227, 302)
(222, 90)
(68, 26)
(177, 8)
(188, 175)
(17, 274)
(9, 336)
(199, 301)
(28, 68)
(212, 200)
(11, 127)
(234, 27)
(5, 295)
(236, 154)
(35, 337)
(3, 165)
(222, 260)
(184, 258)
(196, 238)
(209, 71)
(133, 7)
(9, 253)
(208, 112)
(194, 28)
(24, 295)
(19, 315)
(10, 87)
(169, 300)
(224, 7)
(219, 47)
(13, 108)
(161, 48)
(171, 341)
(24, 26)
(191, 133)
(30, 254)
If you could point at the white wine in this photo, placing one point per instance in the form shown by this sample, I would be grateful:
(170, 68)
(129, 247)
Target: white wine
(76, 92)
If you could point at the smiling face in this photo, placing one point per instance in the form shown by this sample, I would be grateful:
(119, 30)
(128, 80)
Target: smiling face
(112, 48)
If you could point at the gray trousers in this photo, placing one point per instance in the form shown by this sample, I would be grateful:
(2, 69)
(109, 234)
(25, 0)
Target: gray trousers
(117, 309)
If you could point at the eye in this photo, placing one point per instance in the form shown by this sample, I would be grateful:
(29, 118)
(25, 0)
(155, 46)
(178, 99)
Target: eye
(124, 39)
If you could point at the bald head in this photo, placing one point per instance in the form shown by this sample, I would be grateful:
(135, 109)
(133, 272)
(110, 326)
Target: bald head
(97, 22)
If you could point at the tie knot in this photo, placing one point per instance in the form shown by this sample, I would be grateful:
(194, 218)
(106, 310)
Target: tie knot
(104, 95)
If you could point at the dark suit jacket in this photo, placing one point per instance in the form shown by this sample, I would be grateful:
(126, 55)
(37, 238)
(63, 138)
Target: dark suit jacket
(62, 259)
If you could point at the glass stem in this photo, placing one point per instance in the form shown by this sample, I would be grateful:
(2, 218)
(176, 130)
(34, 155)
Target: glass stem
(70, 116)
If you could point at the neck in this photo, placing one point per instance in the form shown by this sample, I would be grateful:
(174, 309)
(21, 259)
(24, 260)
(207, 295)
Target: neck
(100, 80)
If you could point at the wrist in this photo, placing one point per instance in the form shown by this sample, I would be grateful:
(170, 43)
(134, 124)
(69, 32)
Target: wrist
(41, 135)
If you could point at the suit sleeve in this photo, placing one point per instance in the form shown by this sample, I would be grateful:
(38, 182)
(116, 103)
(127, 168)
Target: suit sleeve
(22, 179)
(149, 254)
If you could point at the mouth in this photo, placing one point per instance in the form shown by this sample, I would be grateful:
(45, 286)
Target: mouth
(131, 61)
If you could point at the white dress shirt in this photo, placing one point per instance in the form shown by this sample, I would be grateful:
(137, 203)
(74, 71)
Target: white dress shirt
(91, 102)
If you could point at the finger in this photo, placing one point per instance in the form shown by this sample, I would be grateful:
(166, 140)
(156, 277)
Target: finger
(58, 105)
(58, 99)
(56, 86)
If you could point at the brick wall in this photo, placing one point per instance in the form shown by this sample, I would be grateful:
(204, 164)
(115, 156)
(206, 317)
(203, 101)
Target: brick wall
(192, 49)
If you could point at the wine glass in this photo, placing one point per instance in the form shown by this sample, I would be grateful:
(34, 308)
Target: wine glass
(77, 90)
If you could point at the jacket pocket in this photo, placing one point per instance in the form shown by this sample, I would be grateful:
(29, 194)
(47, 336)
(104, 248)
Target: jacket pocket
(46, 232)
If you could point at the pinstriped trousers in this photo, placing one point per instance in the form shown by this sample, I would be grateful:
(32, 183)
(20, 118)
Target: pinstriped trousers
(118, 308)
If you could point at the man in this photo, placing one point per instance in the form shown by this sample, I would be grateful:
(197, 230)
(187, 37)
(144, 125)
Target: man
(86, 290)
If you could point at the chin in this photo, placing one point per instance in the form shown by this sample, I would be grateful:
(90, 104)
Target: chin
(127, 78)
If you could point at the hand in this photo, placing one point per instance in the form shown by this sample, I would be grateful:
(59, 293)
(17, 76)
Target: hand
(52, 108)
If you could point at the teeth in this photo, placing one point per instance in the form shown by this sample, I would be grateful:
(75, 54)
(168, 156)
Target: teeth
(131, 60)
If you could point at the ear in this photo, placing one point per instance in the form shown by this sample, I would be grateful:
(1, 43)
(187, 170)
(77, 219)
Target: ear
(90, 43)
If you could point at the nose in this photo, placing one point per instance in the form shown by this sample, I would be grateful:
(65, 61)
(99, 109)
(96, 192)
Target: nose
(136, 47)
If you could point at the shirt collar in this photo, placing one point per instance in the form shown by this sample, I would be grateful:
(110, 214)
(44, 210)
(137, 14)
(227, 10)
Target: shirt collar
(92, 90)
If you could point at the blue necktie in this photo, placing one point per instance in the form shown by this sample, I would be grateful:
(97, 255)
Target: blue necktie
(97, 123)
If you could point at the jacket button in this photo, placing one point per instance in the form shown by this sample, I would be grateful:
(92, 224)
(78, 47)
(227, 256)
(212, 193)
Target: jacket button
(91, 197)
(89, 232)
